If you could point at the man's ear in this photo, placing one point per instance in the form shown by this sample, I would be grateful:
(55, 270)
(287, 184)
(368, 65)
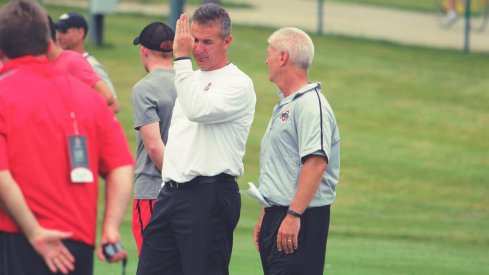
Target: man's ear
(143, 50)
(284, 57)
(228, 41)
(81, 34)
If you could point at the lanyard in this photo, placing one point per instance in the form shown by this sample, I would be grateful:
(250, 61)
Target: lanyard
(69, 104)
(75, 124)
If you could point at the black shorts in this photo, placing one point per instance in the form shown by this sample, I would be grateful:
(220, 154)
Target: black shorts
(18, 257)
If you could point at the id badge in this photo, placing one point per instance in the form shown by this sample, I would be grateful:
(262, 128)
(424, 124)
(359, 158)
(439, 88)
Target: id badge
(79, 167)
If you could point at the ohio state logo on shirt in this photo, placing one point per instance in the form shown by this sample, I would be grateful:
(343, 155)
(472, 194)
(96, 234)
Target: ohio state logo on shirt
(284, 116)
(208, 87)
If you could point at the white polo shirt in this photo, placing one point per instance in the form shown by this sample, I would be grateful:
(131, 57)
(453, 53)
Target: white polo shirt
(210, 123)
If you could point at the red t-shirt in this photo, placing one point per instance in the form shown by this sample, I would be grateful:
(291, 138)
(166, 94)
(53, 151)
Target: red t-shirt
(35, 105)
(75, 64)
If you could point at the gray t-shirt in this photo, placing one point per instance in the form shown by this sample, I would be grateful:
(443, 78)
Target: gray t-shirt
(153, 98)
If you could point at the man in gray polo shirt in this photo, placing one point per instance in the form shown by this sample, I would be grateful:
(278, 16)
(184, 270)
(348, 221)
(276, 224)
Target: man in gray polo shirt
(299, 162)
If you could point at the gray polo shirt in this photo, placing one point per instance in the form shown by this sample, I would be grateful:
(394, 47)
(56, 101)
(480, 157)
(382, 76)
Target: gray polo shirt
(302, 124)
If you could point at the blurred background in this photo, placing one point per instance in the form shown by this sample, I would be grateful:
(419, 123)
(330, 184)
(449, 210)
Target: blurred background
(410, 91)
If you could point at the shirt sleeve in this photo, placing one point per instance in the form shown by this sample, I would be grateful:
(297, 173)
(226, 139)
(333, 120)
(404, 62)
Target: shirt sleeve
(112, 143)
(222, 99)
(81, 69)
(102, 72)
(144, 104)
(313, 125)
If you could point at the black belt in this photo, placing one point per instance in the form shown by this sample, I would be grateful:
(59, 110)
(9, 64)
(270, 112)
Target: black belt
(201, 180)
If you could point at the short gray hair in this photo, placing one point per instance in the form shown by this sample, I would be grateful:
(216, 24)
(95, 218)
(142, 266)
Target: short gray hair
(208, 13)
(296, 43)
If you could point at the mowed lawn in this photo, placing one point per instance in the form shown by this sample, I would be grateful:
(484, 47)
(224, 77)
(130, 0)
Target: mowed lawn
(413, 193)
(420, 5)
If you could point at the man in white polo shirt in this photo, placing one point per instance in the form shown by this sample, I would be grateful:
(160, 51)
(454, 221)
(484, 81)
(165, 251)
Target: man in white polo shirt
(299, 163)
(191, 230)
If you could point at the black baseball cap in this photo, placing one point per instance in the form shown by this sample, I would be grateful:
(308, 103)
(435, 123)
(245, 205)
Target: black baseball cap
(71, 20)
(156, 36)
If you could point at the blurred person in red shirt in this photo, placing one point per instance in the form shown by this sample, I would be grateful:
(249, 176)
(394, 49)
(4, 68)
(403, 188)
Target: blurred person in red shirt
(56, 137)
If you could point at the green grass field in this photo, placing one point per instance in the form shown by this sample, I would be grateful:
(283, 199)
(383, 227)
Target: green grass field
(225, 3)
(414, 187)
(414, 5)
(419, 5)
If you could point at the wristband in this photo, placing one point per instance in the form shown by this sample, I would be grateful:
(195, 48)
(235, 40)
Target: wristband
(182, 58)
(293, 213)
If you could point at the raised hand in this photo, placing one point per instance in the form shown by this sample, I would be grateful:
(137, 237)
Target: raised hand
(183, 42)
